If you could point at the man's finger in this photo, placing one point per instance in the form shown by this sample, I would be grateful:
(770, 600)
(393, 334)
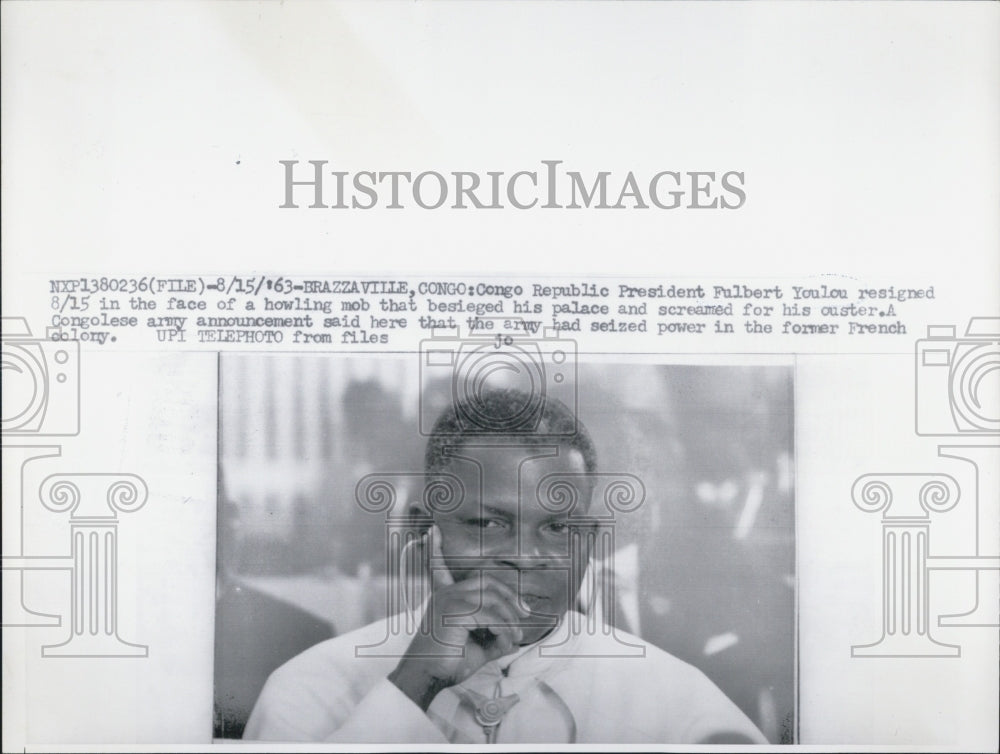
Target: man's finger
(489, 589)
(490, 618)
(509, 635)
(440, 575)
(482, 581)
(490, 612)
(508, 592)
(503, 646)
(492, 598)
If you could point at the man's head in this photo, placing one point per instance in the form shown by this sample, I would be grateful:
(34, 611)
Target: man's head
(505, 524)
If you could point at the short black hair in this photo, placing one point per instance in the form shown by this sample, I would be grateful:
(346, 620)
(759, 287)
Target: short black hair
(501, 412)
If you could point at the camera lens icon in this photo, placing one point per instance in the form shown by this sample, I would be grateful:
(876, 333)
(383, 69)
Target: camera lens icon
(483, 368)
(40, 380)
(958, 379)
(24, 387)
(497, 383)
(975, 385)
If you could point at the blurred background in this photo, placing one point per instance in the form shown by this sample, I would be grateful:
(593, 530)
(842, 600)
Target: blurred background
(704, 569)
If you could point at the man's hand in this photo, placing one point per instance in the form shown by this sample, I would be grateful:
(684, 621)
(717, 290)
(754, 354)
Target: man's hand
(466, 625)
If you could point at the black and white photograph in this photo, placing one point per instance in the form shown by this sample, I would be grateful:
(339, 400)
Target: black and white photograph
(487, 376)
(504, 545)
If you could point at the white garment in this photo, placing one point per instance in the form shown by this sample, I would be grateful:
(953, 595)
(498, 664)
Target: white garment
(329, 693)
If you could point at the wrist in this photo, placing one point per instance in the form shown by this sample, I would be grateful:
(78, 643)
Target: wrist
(418, 682)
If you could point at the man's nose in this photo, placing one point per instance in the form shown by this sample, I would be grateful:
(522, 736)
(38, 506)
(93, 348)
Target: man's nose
(530, 554)
(527, 561)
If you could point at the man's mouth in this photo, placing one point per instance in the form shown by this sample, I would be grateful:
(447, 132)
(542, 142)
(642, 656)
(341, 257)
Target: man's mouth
(533, 601)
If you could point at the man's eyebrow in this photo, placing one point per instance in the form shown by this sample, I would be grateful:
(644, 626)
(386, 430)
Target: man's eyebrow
(496, 511)
(560, 517)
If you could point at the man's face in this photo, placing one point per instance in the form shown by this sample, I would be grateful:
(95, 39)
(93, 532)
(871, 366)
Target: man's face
(501, 527)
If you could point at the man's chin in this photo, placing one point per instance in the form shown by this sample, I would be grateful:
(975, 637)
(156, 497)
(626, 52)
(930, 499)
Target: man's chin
(537, 633)
(534, 629)
(540, 623)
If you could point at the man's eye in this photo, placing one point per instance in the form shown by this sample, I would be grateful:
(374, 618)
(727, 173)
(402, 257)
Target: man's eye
(488, 523)
(558, 527)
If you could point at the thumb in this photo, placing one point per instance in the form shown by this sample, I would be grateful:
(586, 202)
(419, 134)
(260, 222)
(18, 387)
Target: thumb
(440, 575)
